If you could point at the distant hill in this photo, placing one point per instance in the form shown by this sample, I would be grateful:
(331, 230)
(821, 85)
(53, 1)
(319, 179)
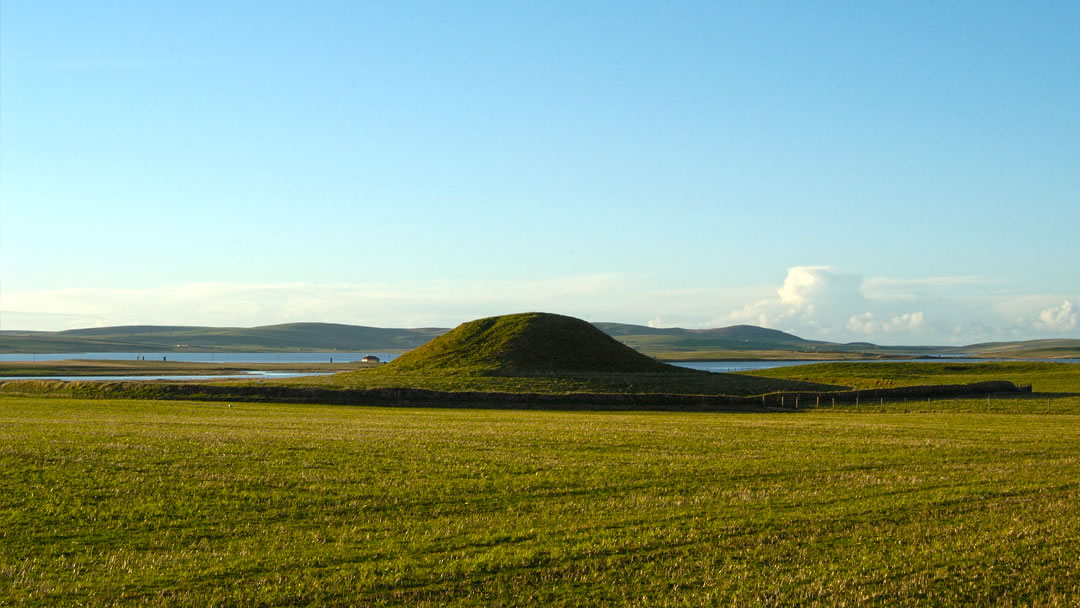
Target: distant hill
(1048, 349)
(736, 338)
(527, 344)
(735, 342)
(268, 338)
(751, 342)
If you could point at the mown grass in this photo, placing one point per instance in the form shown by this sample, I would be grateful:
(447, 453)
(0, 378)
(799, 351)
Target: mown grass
(1001, 403)
(1041, 376)
(175, 503)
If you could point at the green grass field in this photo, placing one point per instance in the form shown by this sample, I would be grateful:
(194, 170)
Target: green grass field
(1042, 377)
(180, 503)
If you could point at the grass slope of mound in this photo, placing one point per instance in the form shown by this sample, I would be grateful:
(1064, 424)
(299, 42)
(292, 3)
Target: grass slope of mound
(543, 353)
(526, 344)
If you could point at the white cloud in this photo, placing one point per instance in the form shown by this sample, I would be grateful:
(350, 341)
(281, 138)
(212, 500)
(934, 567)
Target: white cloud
(888, 288)
(819, 302)
(865, 323)
(862, 324)
(801, 286)
(909, 321)
(811, 297)
(1059, 318)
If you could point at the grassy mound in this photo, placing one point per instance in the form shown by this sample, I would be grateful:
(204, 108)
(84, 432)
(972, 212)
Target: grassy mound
(542, 353)
(526, 344)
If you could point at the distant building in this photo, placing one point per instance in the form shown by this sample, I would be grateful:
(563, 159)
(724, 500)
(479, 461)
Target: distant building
(370, 359)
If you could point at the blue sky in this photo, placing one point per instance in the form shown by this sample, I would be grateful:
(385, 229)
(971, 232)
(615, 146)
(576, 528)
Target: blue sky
(892, 172)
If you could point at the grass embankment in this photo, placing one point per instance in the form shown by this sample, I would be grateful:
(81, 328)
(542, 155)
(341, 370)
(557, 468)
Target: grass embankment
(1042, 377)
(153, 503)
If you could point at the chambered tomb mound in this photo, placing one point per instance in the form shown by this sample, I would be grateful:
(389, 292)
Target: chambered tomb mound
(527, 344)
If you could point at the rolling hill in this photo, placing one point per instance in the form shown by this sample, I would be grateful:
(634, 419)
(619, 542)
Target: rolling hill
(724, 342)
(735, 342)
(269, 338)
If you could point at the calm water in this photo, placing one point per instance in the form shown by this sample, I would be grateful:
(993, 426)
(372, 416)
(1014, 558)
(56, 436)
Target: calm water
(708, 366)
(743, 366)
(248, 376)
(736, 366)
(193, 357)
(196, 357)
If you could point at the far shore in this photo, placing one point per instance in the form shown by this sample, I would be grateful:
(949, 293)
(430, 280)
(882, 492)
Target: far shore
(108, 367)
